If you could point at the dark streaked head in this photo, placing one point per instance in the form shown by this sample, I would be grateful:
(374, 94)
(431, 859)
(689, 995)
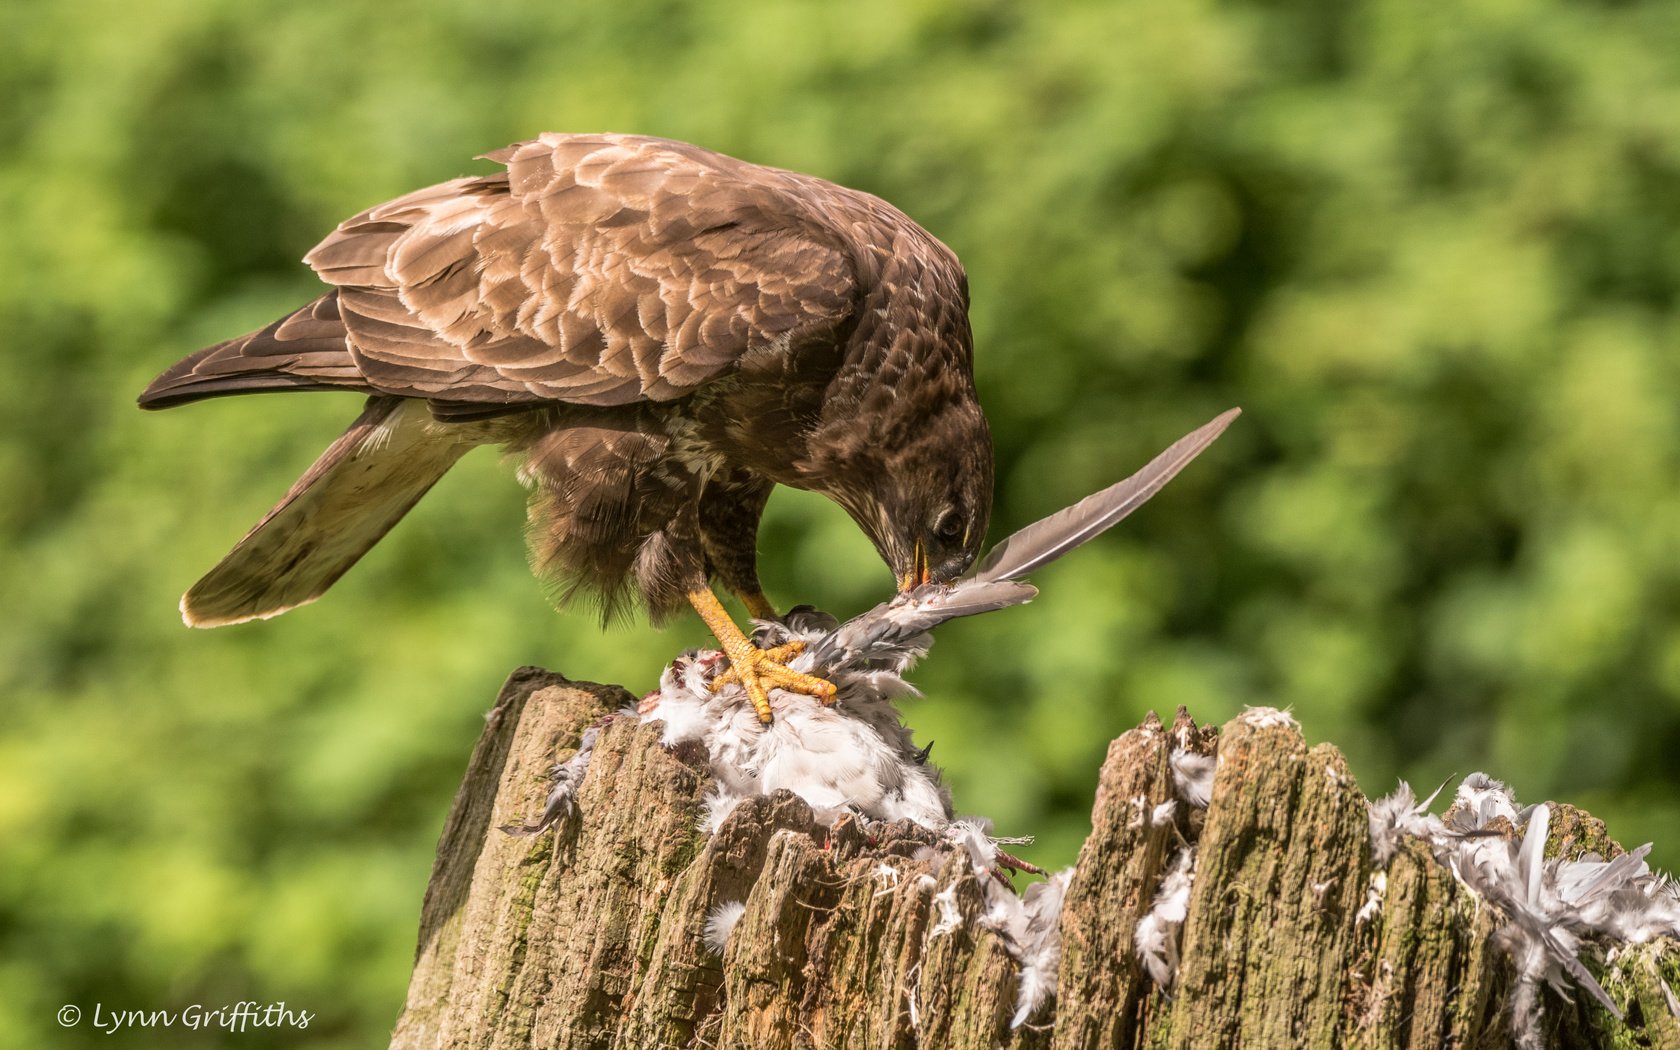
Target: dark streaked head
(926, 503)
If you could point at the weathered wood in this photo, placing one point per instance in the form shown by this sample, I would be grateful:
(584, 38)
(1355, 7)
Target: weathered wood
(1425, 977)
(595, 932)
(1280, 871)
(1101, 991)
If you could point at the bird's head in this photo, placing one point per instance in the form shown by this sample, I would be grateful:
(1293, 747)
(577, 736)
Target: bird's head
(925, 499)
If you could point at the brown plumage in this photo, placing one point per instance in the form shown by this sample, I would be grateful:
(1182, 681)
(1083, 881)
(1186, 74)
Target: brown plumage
(663, 332)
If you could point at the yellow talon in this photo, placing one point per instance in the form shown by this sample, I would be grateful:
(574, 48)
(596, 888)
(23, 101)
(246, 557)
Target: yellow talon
(757, 670)
(780, 654)
(760, 670)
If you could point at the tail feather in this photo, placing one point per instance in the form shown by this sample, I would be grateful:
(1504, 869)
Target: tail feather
(352, 495)
(305, 350)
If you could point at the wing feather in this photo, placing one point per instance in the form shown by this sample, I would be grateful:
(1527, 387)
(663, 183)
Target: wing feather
(1049, 538)
(596, 269)
(304, 350)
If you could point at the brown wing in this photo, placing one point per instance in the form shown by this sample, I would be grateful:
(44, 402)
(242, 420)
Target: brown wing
(305, 350)
(597, 269)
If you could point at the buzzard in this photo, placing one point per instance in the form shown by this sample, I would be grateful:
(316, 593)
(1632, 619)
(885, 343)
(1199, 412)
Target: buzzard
(663, 334)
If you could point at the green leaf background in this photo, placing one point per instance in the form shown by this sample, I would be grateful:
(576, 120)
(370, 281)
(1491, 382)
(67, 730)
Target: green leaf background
(1432, 251)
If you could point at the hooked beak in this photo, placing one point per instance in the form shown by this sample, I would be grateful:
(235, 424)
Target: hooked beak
(918, 576)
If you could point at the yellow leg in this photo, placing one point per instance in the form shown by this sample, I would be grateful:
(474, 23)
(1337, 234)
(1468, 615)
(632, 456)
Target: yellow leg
(757, 670)
(758, 605)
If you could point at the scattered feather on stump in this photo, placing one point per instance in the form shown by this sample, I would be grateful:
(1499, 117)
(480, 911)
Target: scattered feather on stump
(1552, 908)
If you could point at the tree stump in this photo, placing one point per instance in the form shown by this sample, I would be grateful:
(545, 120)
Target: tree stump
(594, 933)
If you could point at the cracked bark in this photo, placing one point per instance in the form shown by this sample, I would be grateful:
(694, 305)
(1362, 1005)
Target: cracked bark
(592, 934)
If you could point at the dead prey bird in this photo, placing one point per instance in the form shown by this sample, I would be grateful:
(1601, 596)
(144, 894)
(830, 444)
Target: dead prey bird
(857, 755)
(664, 334)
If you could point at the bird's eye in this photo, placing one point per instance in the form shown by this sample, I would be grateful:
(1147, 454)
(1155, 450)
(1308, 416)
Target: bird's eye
(949, 528)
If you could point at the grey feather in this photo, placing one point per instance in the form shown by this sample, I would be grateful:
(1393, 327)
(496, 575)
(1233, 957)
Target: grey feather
(1049, 538)
(1551, 908)
(567, 778)
(894, 633)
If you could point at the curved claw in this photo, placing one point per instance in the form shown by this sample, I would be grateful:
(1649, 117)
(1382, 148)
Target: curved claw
(760, 670)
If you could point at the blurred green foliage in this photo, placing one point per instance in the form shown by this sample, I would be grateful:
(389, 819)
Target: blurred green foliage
(1433, 252)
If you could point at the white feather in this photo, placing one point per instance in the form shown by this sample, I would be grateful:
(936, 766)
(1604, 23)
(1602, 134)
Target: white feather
(716, 807)
(1374, 895)
(1193, 776)
(1155, 939)
(950, 916)
(720, 923)
(1268, 718)
(1039, 944)
(1397, 816)
(1549, 908)
(973, 835)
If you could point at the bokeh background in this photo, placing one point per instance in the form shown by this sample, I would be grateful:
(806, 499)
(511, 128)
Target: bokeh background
(1433, 252)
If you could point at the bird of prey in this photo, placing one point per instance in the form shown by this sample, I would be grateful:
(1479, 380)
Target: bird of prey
(663, 333)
